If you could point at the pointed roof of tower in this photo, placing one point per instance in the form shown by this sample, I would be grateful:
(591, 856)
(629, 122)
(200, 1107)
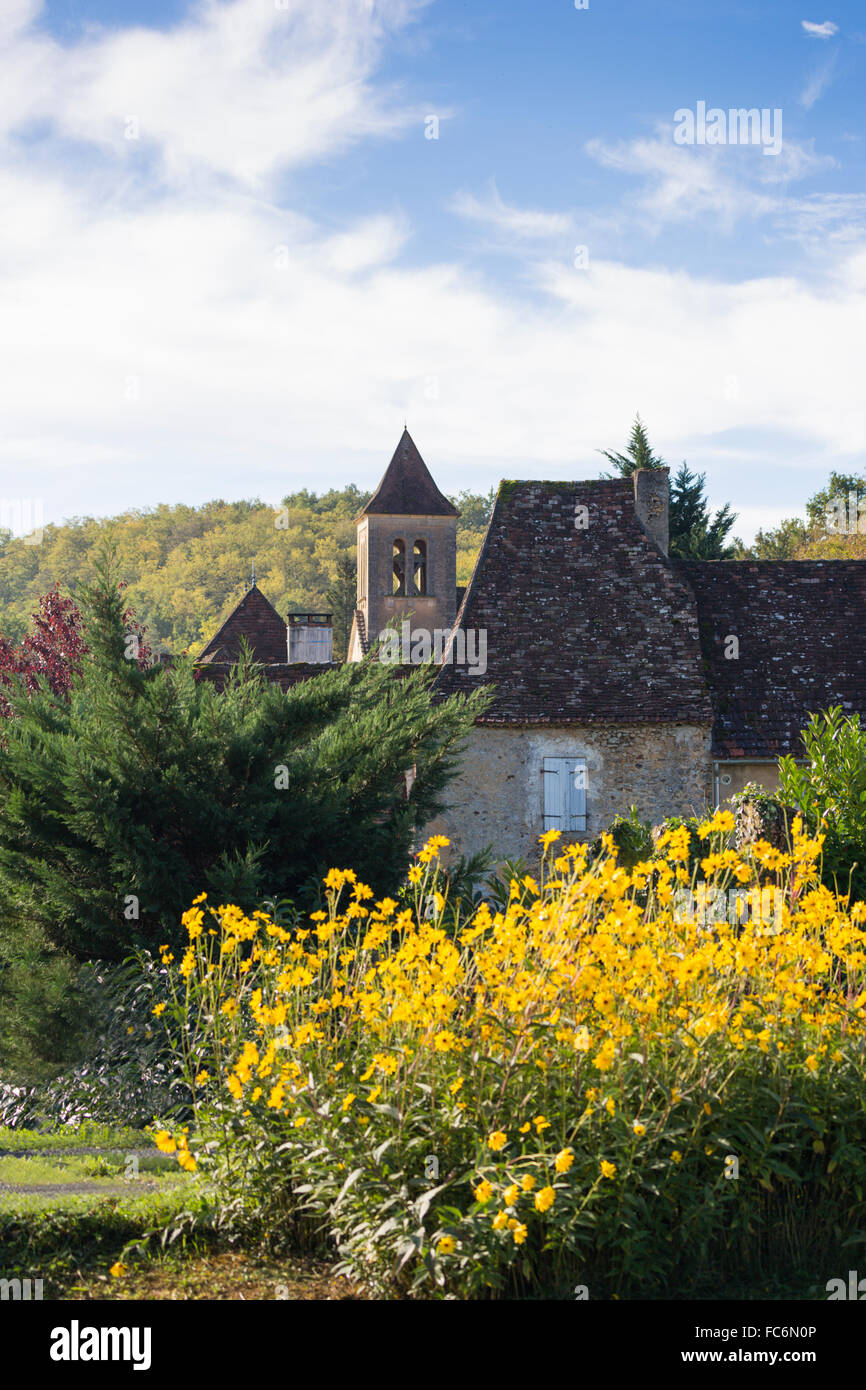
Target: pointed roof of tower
(259, 622)
(407, 489)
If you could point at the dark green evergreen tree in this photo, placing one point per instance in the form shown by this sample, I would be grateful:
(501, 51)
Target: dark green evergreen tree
(694, 534)
(148, 786)
(638, 453)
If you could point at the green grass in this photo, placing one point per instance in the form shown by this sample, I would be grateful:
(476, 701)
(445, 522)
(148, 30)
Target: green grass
(87, 1135)
(79, 1168)
(61, 1240)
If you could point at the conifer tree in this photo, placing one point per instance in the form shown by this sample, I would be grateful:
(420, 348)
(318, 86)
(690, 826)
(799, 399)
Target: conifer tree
(638, 453)
(694, 535)
(147, 787)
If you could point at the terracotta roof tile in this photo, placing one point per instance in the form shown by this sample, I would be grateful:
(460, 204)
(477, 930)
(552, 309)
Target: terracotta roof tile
(587, 625)
(798, 625)
(259, 622)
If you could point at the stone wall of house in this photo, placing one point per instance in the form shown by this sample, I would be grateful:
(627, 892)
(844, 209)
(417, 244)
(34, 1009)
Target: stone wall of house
(664, 769)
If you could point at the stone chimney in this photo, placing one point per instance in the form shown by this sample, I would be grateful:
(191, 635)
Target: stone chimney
(652, 498)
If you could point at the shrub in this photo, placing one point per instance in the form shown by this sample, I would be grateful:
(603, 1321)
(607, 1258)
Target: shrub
(631, 836)
(558, 1097)
(760, 814)
(830, 792)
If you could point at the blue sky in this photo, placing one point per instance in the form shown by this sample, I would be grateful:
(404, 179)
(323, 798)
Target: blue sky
(232, 263)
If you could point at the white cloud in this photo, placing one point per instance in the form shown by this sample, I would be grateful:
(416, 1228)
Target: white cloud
(683, 183)
(240, 90)
(821, 218)
(820, 80)
(202, 341)
(172, 356)
(820, 31)
(526, 224)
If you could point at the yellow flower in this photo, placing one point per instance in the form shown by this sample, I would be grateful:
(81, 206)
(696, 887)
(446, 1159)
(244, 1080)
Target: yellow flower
(164, 1141)
(604, 1058)
(497, 1140)
(447, 1245)
(483, 1192)
(230, 1008)
(639, 1129)
(158, 1009)
(511, 1194)
(676, 1156)
(544, 1199)
(519, 1234)
(610, 1105)
(563, 1160)
(202, 1077)
(812, 1063)
(118, 1270)
(608, 1170)
(348, 1100)
(528, 1183)
(500, 1220)
(541, 1124)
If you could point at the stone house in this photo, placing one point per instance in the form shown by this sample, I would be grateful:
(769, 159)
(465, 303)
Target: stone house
(620, 676)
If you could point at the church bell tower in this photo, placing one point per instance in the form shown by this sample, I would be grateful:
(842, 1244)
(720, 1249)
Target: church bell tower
(407, 553)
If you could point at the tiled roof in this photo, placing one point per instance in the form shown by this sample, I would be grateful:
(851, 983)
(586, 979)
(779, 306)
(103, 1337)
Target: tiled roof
(407, 488)
(278, 673)
(799, 627)
(259, 622)
(588, 625)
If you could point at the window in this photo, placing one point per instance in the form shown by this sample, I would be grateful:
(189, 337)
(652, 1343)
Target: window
(399, 569)
(419, 567)
(564, 794)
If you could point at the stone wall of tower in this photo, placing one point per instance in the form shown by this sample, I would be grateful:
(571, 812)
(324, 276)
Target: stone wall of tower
(378, 604)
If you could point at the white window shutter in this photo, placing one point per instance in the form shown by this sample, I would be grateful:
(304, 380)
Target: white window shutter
(564, 794)
(553, 793)
(576, 788)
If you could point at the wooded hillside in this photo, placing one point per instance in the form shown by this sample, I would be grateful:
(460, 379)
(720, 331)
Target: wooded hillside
(188, 566)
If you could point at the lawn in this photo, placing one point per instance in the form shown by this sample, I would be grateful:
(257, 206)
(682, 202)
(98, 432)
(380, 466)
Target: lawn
(71, 1201)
